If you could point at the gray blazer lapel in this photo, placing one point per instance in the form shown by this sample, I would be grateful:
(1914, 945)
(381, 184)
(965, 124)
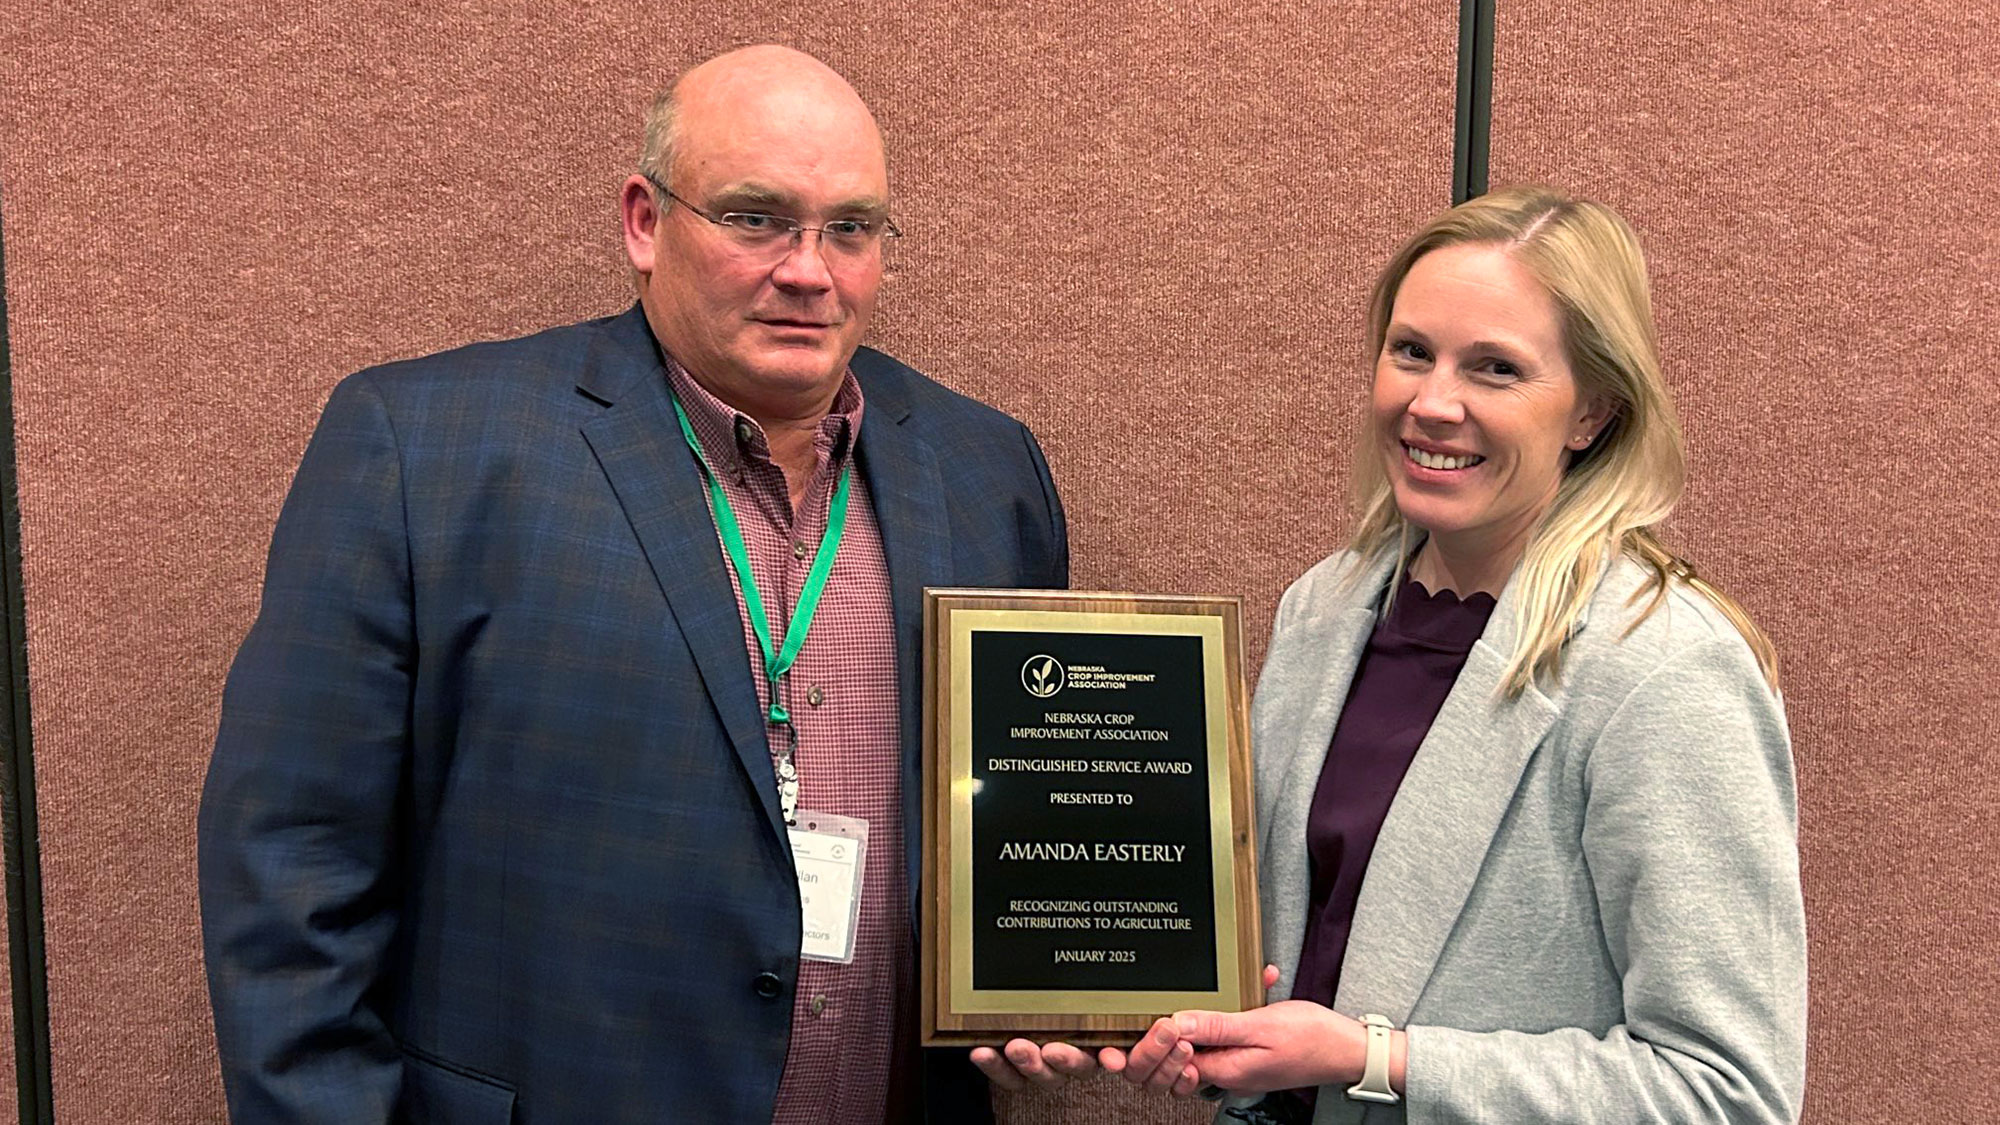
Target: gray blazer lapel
(1440, 826)
(907, 494)
(654, 475)
(1308, 677)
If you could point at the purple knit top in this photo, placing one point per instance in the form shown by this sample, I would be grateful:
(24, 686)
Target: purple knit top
(1413, 658)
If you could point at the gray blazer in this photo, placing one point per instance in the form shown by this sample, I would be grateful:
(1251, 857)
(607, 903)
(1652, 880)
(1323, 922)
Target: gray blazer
(1584, 904)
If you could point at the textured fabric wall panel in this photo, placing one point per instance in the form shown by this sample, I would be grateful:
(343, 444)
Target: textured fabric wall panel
(1145, 227)
(1814, 183)
(7, 1068)
(1149, 229)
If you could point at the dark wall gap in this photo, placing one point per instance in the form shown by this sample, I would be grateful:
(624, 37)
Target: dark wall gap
(27, 959)
(1472, 128)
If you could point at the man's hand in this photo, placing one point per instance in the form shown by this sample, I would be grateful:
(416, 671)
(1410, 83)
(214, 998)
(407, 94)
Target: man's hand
(1024, 1065)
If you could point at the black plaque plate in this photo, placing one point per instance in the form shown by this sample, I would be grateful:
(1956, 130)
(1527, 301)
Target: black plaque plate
(1091, 860)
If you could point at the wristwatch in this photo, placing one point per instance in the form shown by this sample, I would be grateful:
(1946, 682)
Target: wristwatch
(1374, 1084)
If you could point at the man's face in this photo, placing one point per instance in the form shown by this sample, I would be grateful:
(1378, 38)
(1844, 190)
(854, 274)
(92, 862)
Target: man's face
(767, 328)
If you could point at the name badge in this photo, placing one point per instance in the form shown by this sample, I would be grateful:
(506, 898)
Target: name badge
(827, 850)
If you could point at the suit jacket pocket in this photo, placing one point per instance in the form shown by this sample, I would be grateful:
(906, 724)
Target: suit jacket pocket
(438, 1093)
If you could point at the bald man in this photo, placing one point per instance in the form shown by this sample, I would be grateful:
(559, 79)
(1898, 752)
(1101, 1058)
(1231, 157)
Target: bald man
(571, 644)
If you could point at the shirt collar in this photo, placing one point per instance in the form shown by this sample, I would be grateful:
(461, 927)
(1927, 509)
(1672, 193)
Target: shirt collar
(729, 437)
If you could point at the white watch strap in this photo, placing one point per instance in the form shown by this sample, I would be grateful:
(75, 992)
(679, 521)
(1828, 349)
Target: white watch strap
(1374, 1085)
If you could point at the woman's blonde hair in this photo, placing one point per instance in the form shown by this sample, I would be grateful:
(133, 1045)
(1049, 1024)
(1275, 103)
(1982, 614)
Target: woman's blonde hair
(1615, 490)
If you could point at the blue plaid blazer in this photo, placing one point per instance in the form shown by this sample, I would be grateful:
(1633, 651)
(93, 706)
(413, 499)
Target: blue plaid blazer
(490, 833)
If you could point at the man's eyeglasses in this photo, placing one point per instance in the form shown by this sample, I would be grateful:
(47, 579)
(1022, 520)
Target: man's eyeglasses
(762, 232)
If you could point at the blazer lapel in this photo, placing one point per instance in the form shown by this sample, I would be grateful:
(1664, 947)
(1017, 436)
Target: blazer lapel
(908, 497)
(1319, 665)
(1429, 852)
(637, 443)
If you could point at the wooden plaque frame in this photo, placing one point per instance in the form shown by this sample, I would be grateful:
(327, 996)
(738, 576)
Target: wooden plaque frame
(954, 1011)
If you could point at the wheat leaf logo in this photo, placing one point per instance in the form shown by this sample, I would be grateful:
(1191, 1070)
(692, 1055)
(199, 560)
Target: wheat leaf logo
(1042, 676)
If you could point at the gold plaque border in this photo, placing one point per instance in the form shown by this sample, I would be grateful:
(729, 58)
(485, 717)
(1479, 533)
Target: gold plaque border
(954, 1012)
(1208, 628)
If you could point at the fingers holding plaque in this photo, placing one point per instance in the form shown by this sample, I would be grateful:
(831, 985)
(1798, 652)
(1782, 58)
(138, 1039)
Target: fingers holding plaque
(1088, 861)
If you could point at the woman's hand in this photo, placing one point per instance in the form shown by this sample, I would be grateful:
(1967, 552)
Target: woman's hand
(1282, 1046)
(1025, 1065)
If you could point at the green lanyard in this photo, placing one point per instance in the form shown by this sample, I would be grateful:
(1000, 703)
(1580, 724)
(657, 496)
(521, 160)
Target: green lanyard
(777, 662)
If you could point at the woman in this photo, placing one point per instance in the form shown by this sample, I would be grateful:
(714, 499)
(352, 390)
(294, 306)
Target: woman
(1581, 897)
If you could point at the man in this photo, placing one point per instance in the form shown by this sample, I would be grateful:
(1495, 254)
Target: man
(496, 827)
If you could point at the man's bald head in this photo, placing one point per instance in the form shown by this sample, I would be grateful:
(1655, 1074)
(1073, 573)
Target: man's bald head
(767, 71)
(760, 142)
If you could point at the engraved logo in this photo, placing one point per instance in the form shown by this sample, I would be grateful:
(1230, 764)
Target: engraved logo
(1042, 676)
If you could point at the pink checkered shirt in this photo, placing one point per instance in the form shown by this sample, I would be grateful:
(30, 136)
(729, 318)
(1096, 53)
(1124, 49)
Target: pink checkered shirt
(844, 1063)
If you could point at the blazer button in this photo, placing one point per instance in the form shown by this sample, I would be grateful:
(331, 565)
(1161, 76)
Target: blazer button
(768, 985)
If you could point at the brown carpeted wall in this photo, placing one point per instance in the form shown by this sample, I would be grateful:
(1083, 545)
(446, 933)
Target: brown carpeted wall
(1145, 227)
(1815, 183)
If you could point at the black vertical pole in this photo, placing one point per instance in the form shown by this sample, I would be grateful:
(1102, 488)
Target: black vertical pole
(27, 964)
(1473, 127)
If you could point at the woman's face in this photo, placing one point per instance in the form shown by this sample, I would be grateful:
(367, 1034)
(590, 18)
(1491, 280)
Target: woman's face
(1474, 401)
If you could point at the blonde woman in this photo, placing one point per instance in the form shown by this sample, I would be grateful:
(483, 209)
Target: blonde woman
(1525, 791)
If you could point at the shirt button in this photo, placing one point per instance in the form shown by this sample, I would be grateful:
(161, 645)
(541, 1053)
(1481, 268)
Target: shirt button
(743, 430)
(767, 985)
(819, 1004)
(815, 696)
(798, 550)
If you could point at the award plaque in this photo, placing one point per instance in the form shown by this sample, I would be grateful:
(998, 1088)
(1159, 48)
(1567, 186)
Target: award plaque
(1088, 856)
